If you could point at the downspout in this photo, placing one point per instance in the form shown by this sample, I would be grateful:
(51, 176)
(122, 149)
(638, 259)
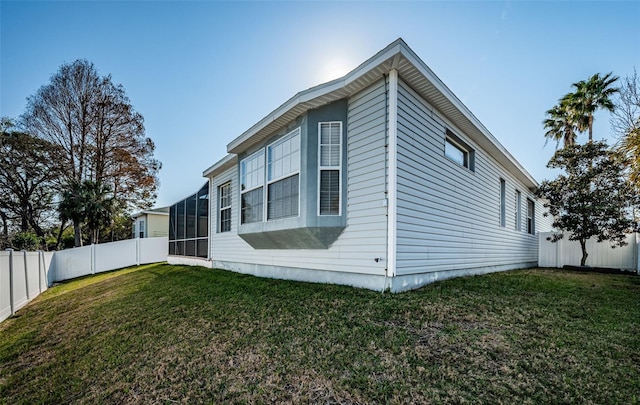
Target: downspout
(392, 193)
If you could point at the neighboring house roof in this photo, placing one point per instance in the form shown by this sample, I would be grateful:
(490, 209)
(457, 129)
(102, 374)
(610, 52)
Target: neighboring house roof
(154, 211)
(412, 70)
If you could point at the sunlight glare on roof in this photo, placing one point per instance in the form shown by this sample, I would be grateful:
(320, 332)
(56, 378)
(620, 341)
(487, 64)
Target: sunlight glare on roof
(334, 68)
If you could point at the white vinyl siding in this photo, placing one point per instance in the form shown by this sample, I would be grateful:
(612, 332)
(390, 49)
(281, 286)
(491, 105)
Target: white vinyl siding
(446, 213)
(364, 238)
(330, 163)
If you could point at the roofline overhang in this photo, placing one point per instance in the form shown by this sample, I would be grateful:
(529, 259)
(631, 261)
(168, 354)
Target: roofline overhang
(141, 213)
(414, 72)
(221, 165)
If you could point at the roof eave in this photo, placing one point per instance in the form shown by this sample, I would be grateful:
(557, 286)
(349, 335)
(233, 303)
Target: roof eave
(221, 165)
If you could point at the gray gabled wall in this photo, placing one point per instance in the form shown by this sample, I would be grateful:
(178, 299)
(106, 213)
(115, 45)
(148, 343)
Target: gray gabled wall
(449, 216)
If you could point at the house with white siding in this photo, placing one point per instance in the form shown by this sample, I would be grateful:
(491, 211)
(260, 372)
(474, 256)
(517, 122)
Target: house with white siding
(381, 179)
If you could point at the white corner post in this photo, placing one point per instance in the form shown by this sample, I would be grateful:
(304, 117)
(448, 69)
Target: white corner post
(392, 200)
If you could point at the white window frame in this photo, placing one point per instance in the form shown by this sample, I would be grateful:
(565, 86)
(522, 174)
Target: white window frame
(142, 229)
(531, 219)
(262, 184)
(296, 132)
(226, 207)
(468, 153)
(321, 168)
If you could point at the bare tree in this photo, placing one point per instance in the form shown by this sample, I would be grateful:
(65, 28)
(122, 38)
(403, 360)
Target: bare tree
(100, 133)
(626, 115)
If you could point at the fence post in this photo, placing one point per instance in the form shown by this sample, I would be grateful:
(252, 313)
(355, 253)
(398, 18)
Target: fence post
(26, 274)
(40, 266)
(137, 251)
(637, 252)
(559, 253)
(93, 259)
(11, 281)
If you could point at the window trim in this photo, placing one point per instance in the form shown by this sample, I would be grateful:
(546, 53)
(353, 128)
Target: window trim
(268, 182)
(221, 208)
(261, 184)
(503, 203)
(321, 168)
(518, 213)
(467, 151)
(531, 231)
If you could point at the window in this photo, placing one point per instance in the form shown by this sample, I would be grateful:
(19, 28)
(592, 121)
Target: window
(518, 210)
(283, 168)
(330, 163)
(224, 204)
(502, 203)
(251, 185)
(531, 217)
(458, 151)
(141, 228)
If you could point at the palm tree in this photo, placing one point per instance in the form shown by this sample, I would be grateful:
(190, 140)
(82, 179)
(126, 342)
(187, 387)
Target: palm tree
(561, 124)
(630, 147)
(590, 96)
(98, 208)
(87, 202)
(72, 208)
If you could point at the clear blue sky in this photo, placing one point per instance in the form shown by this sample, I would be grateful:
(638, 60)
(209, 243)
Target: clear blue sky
(201, 73)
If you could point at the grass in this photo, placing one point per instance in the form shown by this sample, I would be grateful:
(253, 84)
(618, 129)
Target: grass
(165, 334)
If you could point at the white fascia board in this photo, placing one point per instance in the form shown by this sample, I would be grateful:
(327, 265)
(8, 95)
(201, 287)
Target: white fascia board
(319, 91)
(221, 165)
(443, 89)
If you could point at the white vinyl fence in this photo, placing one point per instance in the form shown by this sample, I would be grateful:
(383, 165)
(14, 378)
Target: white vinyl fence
(24, 275)
(566, 252)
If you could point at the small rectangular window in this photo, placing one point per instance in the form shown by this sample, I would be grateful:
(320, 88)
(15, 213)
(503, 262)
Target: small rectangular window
(224, 202)
(531, 226)
(502, 203)
(518, 210)
(330, 165)
(141, 228)
(330, 192)
(458, 151)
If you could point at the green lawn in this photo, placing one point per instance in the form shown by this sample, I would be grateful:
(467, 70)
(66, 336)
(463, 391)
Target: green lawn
(165, 334)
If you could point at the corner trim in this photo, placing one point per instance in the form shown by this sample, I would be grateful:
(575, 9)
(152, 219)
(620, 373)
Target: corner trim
(392, 206)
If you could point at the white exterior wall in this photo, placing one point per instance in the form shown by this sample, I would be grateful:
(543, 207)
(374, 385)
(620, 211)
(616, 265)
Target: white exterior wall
(449, 216)
(364, 237)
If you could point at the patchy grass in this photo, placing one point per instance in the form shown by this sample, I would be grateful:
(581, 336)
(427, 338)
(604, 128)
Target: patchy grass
(163, 334)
